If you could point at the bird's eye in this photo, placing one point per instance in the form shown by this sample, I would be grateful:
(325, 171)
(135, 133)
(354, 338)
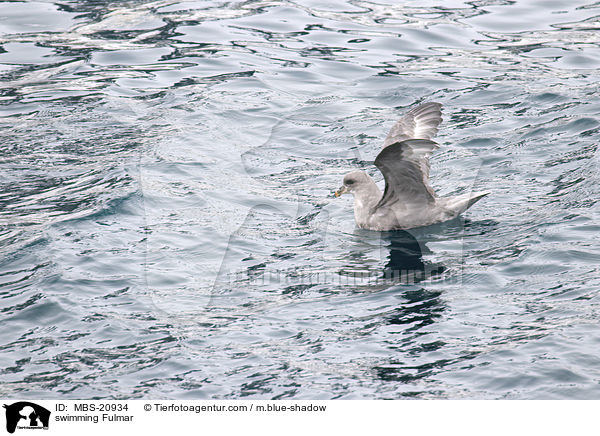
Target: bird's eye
(349, 182)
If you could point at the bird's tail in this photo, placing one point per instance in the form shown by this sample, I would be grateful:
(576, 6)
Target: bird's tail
(460, 203)
(475, 197)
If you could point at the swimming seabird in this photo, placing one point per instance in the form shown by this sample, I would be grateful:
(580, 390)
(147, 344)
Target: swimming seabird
(408, 200)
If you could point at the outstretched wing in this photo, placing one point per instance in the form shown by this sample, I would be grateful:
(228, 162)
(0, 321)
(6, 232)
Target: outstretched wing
(421, 122)
(401, 164)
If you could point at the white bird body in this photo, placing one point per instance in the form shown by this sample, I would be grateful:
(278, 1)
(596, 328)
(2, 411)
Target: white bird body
(408, 200)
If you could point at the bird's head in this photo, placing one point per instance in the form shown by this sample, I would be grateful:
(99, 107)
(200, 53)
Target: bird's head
(352, 182)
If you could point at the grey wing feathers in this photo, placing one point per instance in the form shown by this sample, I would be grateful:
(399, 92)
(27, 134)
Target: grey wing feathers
(401, 164)
(420, 122)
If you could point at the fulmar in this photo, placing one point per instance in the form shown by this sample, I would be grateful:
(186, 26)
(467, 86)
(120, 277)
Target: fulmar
(408, 200)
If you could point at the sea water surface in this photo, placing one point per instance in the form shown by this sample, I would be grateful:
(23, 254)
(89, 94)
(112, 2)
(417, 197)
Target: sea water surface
(167, 228)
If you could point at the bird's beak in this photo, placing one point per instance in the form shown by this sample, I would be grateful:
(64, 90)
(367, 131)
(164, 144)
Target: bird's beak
(340, 191)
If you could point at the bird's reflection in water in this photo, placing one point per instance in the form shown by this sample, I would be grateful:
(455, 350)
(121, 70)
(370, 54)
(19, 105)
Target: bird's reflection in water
(403, 263)
(406, 268)
(405, 253)
(403, 257)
